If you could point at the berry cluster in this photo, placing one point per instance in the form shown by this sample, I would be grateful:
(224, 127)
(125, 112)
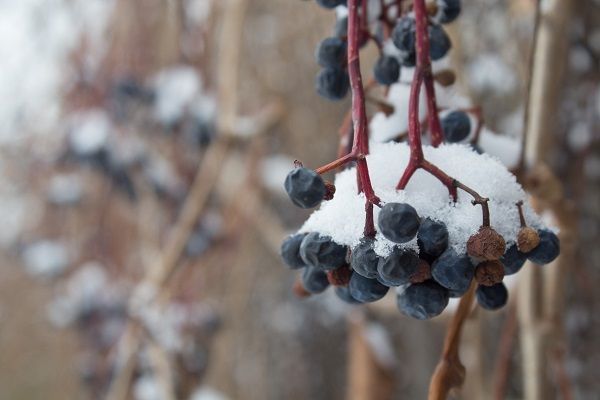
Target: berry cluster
(400, 248)
(426, 278)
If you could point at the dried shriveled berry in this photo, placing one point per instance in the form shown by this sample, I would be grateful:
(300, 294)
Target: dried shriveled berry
(290, 251)
(363, 259)
(486, 244)
(339, 276)
(322, 252)
(305, 187)
(422, 274)
(492, 297)
(513, 260)
(423, 300)
(329, 191)
(489, 273)
(547, 250)
(398, 222)
(366, 290)
(527, 239)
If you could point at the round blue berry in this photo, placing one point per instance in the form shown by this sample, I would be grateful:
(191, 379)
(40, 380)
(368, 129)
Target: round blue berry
(290, 251)
(439, 42)
(321, 252)
(366, 290)
(453, 271)
(512, 260)
(456, 126)
(314, 280)
(343, 293)
(332, 83)
(305, 187)
(397, 268)
(432, 237)
(331, 52)
(331, 3)
(448, 10)
(398, 222)
(363, 259)
(547, 250)
(423, 300)
(492, 297)
(386, 70)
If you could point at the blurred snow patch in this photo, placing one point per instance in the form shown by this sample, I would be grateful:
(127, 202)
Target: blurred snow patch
(176, 88)
(65, 189)
(381, 344)
(504, 148)
(89, 132)
(45, 259)
(207, 393)
(489, 72)
(273, 170)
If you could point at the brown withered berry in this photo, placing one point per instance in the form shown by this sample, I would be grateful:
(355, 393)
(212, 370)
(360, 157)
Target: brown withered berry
(489, 273)
(299, 289)
(486, 244)
(329, 190)
(422, 273)
(339, 276)
(527, 239)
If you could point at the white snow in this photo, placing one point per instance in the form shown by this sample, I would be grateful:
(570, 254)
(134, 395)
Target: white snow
(207, 393)
(343, 217)
(89, 131)
(176, 88)
(504, 148)
(45, 259)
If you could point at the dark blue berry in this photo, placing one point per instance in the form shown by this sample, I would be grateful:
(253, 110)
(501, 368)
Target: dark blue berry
(363, 259)
(547, 250)
(453, 271)
(331, 3)
(492, 297)
(386, 70)
(331, 52)
(448, 10)
(200, 132)
(423, 300)
(456, 126)
(314, 280)
(404, 35)
(439, 42)
(343, 293)
(322, 252)
(513, 260)
(366, 290)
(432, 237)
(290, 251)
(332, 83)
(397, 268)
(398, 222)
(305, 187)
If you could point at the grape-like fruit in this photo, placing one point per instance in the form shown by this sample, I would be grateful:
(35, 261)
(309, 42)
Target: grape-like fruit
(332, 83)
(398, 222)
(404, 35)
(397, 268)
(343, 293)
(513, 260)
(453, 271)
(448, 10)
(366, 290)
(492, 297)
(305, 187)
(486, 244)
(386, 70)
(439, 42)
(363, 259)
(331, 52)
(290, 251)
(314, 280)
(321, 252)
(456, 126)
(547, 250)
(432, 237)
(423, 300)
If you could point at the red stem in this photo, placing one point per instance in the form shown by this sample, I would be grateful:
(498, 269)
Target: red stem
(360, 146)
